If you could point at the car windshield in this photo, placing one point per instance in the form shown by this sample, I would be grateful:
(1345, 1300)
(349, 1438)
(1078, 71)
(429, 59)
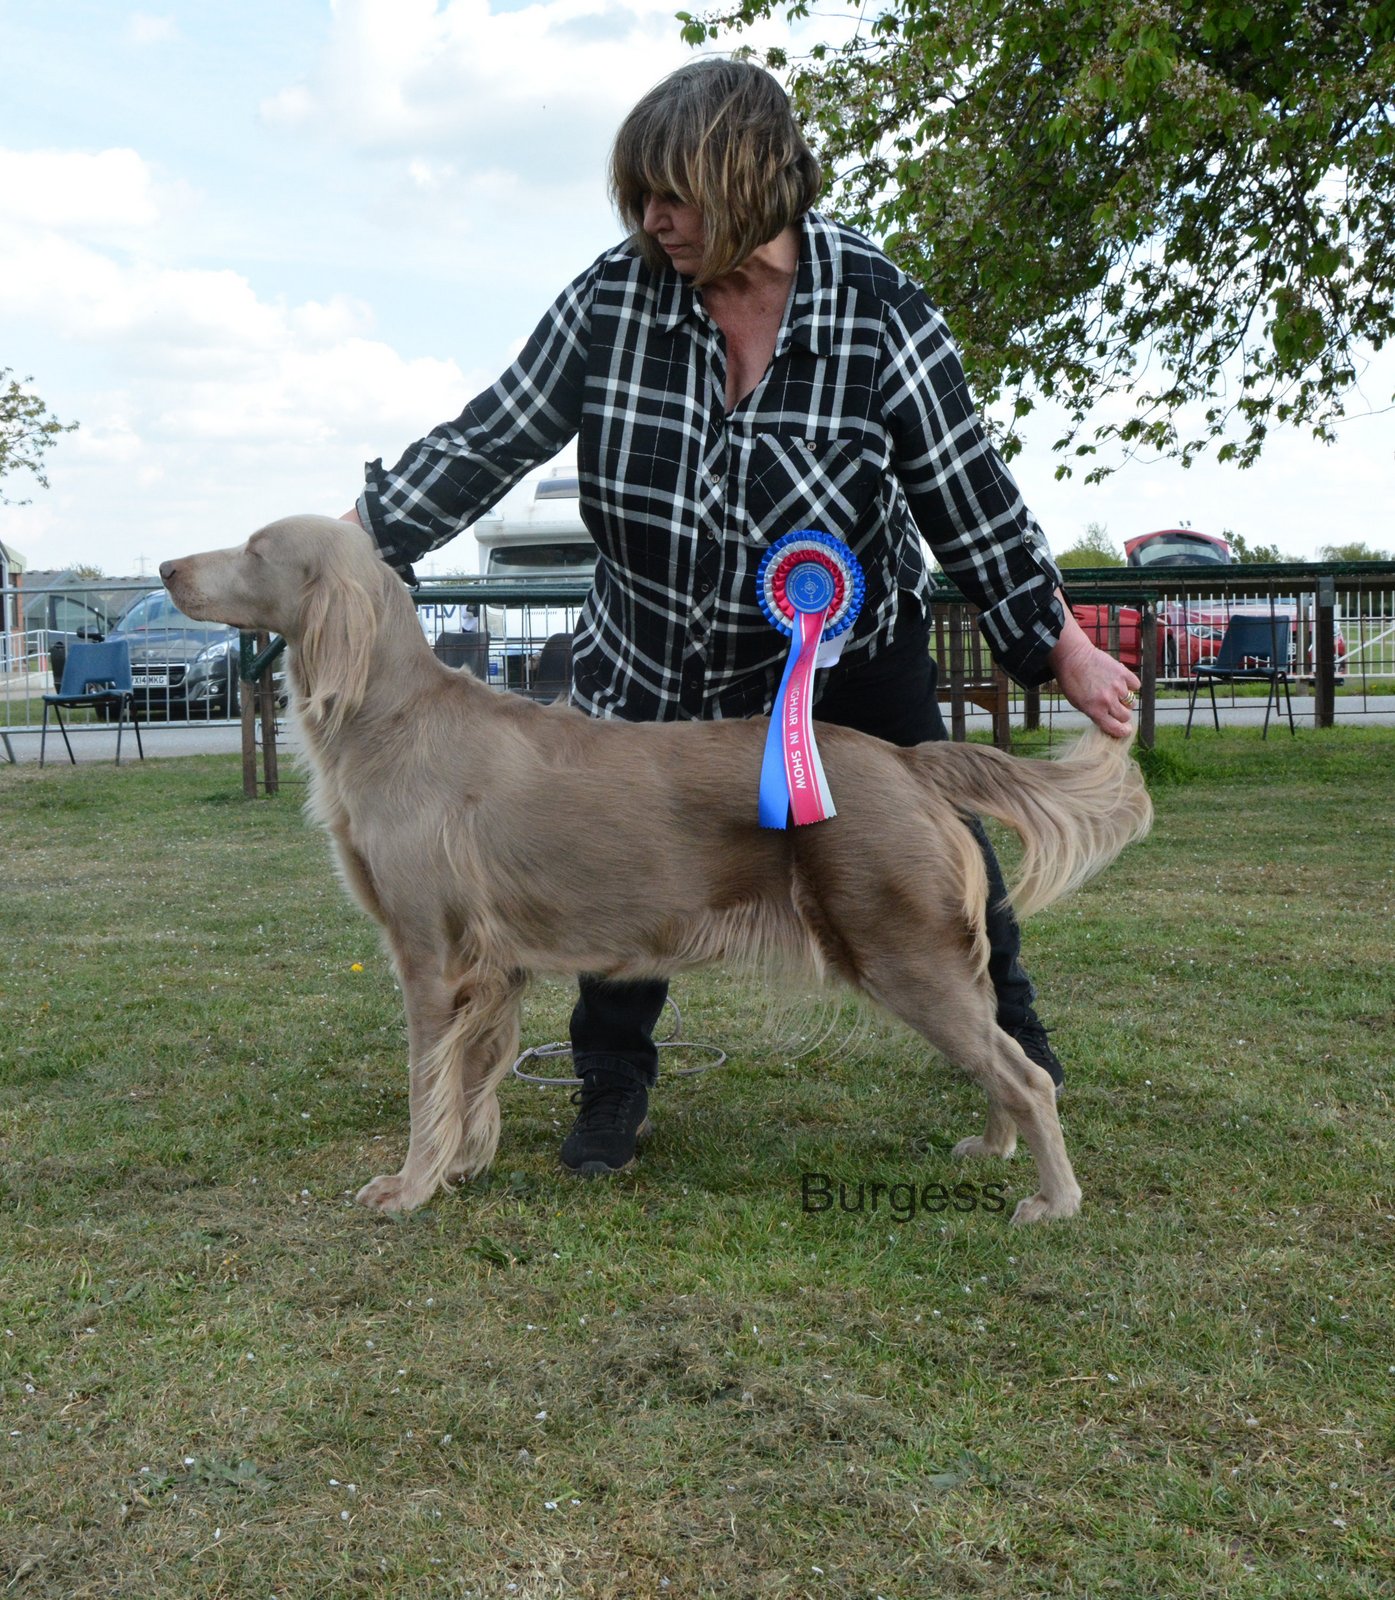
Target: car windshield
(157, 610)
(1178, 550)
(542, 558)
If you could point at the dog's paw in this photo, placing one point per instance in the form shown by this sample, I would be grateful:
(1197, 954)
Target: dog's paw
(1040, 1207)
(392, 1192)
(981, 1146)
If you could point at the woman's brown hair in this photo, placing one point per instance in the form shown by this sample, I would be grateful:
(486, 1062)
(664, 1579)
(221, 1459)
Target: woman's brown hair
(718, 135)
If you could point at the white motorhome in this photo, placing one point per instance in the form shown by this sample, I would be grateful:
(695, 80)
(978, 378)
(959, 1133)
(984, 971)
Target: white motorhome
(520, 638)
(536, 530)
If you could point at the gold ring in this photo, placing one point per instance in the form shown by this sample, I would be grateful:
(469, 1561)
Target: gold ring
(1130, 699)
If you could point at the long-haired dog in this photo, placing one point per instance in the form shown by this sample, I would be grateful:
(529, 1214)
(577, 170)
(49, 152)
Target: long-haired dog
(491, 837)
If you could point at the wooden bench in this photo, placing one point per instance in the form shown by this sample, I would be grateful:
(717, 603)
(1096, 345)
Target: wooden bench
(968, 673)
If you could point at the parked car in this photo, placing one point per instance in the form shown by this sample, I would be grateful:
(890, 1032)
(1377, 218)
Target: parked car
(1189, 631)
(179, 667)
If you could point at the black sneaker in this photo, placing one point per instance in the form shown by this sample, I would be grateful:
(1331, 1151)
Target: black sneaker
(611, 1119)
(1032, 1036)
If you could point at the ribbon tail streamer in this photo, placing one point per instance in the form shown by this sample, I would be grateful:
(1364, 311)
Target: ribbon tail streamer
(792, 775)
(774, 792)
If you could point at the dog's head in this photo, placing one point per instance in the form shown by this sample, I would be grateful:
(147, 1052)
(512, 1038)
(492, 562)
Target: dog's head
(270, 581)
(317, 581)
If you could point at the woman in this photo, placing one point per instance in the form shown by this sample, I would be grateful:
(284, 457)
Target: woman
(739, 368)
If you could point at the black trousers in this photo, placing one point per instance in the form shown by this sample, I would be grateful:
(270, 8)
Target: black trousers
(893, 698)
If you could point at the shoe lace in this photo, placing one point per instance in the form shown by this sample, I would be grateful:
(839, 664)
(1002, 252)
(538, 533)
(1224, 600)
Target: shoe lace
(1035, 1038)
(606, 1105)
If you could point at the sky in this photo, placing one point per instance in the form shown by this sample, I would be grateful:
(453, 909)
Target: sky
(250, 247)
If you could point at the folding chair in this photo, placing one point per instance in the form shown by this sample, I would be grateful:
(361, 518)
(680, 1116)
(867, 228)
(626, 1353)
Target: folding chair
(1248, 642)
(465, 651)
(95, 675)
(552, 677)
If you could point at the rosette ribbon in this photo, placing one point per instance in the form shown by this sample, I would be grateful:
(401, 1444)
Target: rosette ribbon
(810, 587)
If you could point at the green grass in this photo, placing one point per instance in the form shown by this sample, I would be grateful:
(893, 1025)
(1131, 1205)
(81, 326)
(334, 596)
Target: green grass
(220, 1378)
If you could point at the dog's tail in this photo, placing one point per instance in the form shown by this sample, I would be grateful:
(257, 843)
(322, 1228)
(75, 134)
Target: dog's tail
(1074, 813)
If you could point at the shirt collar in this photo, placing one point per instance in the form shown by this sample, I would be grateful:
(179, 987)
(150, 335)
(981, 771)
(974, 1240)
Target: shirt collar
(812, 310)
(673, 301)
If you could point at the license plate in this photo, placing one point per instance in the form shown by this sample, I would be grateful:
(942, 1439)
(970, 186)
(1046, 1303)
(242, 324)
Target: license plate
(150, 680)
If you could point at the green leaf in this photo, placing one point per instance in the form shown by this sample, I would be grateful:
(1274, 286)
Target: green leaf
(1091, 190)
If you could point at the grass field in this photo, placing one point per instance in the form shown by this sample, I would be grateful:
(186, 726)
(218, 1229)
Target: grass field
(219, 1378)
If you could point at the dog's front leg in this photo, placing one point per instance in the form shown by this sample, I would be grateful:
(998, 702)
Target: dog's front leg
(433, 1061)
(460, 1030)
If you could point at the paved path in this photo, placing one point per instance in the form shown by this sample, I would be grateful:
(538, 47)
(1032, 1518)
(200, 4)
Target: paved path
(98, 743)
(93, 742)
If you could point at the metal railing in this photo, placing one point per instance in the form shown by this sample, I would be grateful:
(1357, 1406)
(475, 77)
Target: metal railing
(1162, 622)
(1165, 622)
(514, 634)
(38, 623)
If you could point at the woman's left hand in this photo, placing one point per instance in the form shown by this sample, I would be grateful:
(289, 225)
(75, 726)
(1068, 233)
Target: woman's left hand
(1093, 681)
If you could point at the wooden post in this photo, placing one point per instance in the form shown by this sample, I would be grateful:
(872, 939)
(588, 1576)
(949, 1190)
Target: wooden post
(266, 697)
(957, 620)
(246, 702)
(257, 701)
(1031, 708)
(1148, 674)
(1002, 709)
(1325, 649)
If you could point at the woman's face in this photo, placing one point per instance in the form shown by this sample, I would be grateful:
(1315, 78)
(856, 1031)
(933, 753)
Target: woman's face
(678, 230)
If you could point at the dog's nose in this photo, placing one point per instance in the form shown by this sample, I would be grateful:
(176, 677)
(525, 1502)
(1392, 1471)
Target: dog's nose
(168, 570)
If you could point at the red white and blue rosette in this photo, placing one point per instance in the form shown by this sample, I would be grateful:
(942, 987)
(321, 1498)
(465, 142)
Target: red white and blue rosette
(810, 587)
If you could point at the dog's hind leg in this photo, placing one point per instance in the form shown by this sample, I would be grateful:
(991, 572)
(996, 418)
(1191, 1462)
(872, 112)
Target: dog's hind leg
(493, 1047)
(998, 1139)
(950, 1003)
(456, 1027)
(1021, 1095)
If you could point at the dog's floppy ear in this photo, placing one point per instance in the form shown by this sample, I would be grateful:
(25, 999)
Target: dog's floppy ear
(339, 625)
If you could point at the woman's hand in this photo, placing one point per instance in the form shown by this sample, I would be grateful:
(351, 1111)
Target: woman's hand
(351, 515)
(1093, 681)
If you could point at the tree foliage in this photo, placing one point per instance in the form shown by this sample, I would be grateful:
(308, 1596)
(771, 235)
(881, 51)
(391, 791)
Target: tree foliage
(1160, 204)
(1248, 552)
(27, 430)
(1353, 550)
(1096, 549)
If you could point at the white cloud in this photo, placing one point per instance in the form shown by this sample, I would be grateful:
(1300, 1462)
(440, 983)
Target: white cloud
(445, 162)
(75, 191)
(195, 391)
(144, 29)
(538, 90)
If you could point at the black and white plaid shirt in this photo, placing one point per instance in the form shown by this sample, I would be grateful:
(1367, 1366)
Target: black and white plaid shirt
(862, 426)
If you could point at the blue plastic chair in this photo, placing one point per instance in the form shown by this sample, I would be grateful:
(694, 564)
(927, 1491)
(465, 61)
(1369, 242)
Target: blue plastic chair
(97, 675)
(1254, 650)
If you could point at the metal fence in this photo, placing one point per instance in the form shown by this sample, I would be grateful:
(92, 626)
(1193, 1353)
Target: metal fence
(1338, 621)
(516, 635)
(183, 671)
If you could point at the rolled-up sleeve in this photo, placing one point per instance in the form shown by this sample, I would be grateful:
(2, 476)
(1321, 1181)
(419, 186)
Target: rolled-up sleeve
(454, 475)
(963, 498)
